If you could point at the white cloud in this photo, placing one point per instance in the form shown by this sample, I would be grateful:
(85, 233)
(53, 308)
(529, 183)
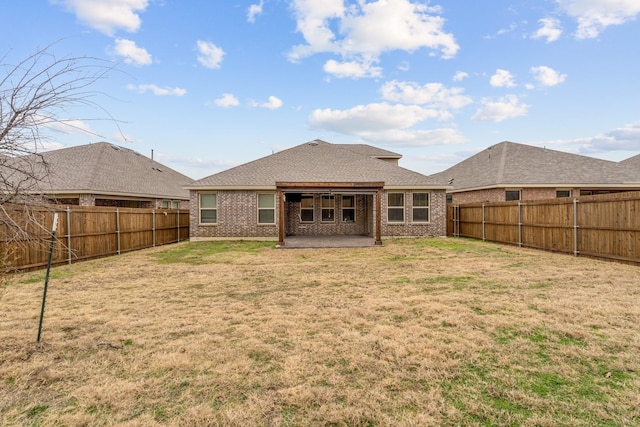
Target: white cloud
(546, 76)
(504, 108)
(502, 78)
(107, 16)
(67, 127)
(254, 10)
(368, 29)
(227, 100)
(411, 138)
(210, 55)
(157, 90)
(549, 30)
(460, 75)
(594, 16)
(351, 69)
(378, 117)
(625, 138)
(386, 124)
(435, 95)
(131, 53)
(272, 104)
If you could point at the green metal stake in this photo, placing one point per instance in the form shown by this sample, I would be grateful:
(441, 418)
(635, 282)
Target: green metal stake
(46, 277)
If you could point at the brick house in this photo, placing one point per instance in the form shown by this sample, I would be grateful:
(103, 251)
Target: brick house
(511, 171)
(104, 174)
(318, 188)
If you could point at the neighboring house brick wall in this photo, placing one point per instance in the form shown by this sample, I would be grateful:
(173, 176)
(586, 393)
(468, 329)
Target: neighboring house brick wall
(489, 195)
(498, 195)
(237, 217)
(437, 212)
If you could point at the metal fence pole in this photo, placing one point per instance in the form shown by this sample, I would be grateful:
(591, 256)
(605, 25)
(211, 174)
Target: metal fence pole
(153, 227)
(483, 229)
(575, 227)
(68, 235)
(118, 228)
(519, 224)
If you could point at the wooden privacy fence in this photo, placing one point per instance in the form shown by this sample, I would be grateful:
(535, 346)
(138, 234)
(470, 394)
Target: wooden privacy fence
(86, 232)
(604, 226)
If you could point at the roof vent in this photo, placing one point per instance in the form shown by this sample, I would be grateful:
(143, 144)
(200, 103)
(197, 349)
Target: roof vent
(313, 143)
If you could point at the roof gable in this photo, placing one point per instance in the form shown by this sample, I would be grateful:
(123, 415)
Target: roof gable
(315, 161)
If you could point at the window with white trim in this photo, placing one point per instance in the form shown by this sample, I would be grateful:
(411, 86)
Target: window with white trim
(306, 208)
(266, 208)
(208, 208)
(349, 208)
(395, 207)
(563, 193)
(328, 208)
(420, 210)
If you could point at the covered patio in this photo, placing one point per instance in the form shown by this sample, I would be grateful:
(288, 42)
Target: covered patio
(329, 214)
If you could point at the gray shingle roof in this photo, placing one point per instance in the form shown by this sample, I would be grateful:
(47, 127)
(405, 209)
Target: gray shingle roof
(103, 168)
(512, 164)
(317, 161)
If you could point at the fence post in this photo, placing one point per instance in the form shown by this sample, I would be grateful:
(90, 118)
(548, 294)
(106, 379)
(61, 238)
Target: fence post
(118, 228)
(575, 226)
(153, 226)
(483, 232)
(68, 235)
(178, 224)
(519, 224)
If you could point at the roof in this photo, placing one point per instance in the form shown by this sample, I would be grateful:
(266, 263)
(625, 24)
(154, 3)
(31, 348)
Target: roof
(371, 151)
(104, 168)
(318, 162)
(509, 164)
(632, 164)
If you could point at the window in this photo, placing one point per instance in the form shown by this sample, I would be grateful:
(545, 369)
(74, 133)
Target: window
(168, 204)
(208, 208)
(395, 207)
(266, 208)
(420, 207)
(512, 195)
(349, 208)
(563, 193)
(306, 208)
(449, 198)
(328, 208)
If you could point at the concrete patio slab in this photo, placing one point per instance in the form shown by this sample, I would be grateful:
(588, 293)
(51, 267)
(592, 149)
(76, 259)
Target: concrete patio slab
(337, 241)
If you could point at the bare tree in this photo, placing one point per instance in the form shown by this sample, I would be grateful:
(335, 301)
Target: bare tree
(36, 94)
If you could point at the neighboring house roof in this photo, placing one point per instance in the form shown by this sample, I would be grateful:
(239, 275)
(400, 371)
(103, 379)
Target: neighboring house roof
(108, 169)
(632, 164)
(509, 164)
(318, 162)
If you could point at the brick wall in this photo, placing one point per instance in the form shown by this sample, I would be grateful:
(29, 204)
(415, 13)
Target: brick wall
(362, 224)
(237, 218)
(498, 195)
(437, 215)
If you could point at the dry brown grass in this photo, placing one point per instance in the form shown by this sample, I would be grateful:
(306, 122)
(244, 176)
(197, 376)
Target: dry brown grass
(418, 332)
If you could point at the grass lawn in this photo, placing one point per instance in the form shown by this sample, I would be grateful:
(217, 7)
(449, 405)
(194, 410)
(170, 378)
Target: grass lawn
(442, 332)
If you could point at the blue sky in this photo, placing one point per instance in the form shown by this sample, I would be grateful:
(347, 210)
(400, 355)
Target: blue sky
(208, 85)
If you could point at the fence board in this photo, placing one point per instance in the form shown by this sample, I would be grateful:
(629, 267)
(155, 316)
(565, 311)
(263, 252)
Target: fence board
(603, 226)
(87, 232)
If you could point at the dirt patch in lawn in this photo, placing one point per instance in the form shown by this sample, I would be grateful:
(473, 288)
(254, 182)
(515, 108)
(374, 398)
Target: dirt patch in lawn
(418, 332)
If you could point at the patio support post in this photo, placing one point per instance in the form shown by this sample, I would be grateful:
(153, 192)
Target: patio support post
(280, 217)
(378, 232)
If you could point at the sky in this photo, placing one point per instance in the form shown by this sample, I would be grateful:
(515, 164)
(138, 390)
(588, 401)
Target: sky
(207, 85)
